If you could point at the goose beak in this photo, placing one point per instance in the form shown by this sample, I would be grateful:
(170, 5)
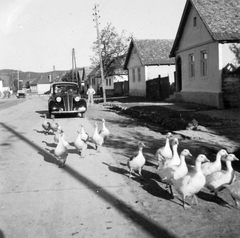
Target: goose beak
(236, 159)
(206, 160)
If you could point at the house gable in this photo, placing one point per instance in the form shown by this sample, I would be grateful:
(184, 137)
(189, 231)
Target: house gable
(134, 60)
(195, 32)
(220, 18)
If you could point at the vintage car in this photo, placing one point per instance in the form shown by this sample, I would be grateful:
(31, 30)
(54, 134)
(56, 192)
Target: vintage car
(65, 98)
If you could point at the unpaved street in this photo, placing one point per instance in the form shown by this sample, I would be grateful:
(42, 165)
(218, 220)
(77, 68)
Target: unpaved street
(92, 196)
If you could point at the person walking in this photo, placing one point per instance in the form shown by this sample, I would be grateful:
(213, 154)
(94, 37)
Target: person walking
(90, 93)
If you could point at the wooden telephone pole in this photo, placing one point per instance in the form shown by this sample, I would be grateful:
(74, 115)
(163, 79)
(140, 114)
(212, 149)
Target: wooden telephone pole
(99, 51)
(74, 68)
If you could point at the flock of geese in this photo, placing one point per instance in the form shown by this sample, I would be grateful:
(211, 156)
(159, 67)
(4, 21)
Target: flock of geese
(81, 142)
(172, 168)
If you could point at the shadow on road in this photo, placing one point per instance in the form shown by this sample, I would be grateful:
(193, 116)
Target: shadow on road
(151, 227)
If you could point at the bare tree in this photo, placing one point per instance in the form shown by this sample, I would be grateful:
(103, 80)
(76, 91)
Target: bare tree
(235, 48)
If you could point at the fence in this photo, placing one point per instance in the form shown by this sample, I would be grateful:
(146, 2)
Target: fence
(231, 86)
(158, 88)
(121, 88)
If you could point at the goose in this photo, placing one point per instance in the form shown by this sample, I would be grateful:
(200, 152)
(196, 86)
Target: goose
(176, 171)
(54, 126)
(192, 182)
(137, 162)
(84, 135)
(65, 143)
(61, 152)
(80, 144)
(97, 139)
(46, 124)
(216, 180)
(234, 190)
(56, 135)
(175, 160)
(104, 132)
(211, 167)
(164, 152)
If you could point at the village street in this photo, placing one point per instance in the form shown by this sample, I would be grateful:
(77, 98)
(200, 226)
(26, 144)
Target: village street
(93, 196)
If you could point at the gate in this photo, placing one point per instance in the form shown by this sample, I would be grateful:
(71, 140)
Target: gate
(158, 88)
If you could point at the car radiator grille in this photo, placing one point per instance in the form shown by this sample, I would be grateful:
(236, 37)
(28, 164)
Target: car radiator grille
(68, 102)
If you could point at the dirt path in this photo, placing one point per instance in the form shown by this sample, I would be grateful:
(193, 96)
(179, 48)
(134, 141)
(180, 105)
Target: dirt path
(92, 196)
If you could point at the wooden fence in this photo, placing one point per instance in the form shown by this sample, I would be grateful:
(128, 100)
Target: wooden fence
(158, 88)
(231, 86)
(121, 88)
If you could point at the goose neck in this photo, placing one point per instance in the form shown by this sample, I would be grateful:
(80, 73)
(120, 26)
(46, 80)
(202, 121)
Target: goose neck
(198, 166)
(229, 165)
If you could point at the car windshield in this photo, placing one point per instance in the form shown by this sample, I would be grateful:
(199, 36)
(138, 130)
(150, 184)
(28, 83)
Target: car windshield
(65, 88)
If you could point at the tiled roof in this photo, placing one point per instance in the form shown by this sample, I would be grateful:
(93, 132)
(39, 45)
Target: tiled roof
(221, 18)
(154, 52)
(44, 79)
(151, 52)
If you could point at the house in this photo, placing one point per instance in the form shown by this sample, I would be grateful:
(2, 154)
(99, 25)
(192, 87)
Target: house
(147, 59)
(33, 85)
(43, 84)
(201, 49)
(117, 74)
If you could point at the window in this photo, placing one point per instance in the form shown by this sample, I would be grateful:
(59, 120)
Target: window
(93, 81)
(110, 82)
(139, 74)
(203, 63)
(194, 21)
(106, 82)
(191, 66)
(133, 75)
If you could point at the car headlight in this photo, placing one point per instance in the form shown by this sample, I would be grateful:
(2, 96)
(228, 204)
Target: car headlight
(77, 99)
(58, 99)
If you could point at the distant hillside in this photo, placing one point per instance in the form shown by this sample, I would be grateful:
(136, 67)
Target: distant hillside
(28, 76)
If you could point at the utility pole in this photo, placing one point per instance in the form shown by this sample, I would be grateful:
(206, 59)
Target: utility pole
(18, 79)
(73, 63)
(99, 51)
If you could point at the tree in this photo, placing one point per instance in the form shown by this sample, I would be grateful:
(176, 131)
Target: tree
(235, 48)
(113, 47)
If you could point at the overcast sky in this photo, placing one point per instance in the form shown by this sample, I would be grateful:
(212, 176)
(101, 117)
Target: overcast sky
(36, 35)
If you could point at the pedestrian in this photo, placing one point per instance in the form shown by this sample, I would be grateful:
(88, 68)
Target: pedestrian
(90, 93)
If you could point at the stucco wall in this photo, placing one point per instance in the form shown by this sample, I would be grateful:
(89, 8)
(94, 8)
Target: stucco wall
(42, 88)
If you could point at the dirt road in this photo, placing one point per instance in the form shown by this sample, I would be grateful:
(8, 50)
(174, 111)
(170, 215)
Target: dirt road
(92, 196)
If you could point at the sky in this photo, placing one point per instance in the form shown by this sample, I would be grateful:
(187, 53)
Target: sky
(39, 35)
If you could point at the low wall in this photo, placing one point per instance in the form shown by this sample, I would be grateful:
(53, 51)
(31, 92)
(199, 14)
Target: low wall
(205, 98)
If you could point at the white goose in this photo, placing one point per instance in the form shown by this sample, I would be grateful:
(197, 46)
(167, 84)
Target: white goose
(54, 126)
(80, 144)
(211, 167)
(61, 152)
(84, 135)
(46, 124)
(164, 152)
(137, 162)
(193, 182)
(97, 139)
(234, 190)
(176, 171)
(175, 160)
(104, 132)
(216, 181)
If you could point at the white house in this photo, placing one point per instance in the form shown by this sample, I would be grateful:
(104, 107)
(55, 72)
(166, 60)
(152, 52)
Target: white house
(43, 84)
(201, 49)
(147, 59)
